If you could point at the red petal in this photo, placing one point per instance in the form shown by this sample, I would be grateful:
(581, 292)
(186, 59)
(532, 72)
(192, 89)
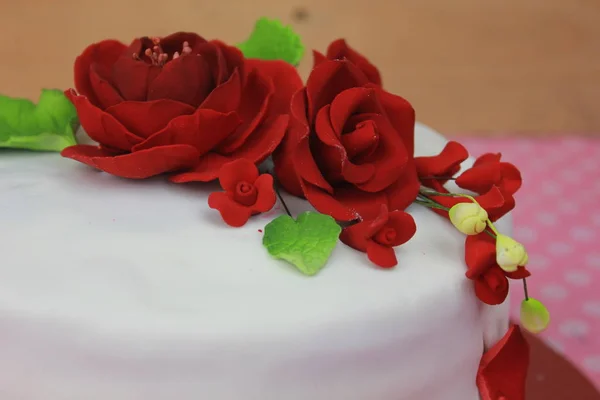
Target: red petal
(492, 287)
(353, 101)
(225, 97)
(233, 214)
(355, 236)
(329, 79)
(233, 58)
(511, 178)
(404, 226)
(204, 130)
(286, 82)
(380, 255)
(401, 116)
(132, 76)
(520, 273)
(103, 55)
(85, 153)
(174, 42)
(105, 94)
(186, 79)
(404, 191)
(492, 158)
(139, 165)
(149, 117)
(206, 170)
(480, 179)
(252, 109)
(309, 171)
(340, 50)
(480, 254)
(237, 171)
(266, 194)
(492, 199)
(101, 126)
(444, 164)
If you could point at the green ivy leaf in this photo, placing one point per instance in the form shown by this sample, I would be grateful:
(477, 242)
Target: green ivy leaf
(48, 126)
(306, 242)
(270, 40)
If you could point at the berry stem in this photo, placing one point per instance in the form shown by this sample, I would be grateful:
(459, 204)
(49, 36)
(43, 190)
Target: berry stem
(278, 192)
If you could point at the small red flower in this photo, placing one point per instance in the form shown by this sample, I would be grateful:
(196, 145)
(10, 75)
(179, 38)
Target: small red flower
(246, 192)
(433, 171)
(491, 283)
(378, 237)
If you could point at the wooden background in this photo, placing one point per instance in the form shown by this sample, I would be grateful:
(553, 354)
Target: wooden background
(477, 66)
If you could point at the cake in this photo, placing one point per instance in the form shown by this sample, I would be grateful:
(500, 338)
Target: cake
(158, 283)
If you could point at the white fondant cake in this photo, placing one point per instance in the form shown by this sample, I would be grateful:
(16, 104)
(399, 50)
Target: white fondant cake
(135, 290)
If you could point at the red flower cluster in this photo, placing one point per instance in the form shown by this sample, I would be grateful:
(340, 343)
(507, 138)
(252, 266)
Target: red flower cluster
(491, 283)
(178, 104)
(494, 181)
(246, 192)
(378, 236)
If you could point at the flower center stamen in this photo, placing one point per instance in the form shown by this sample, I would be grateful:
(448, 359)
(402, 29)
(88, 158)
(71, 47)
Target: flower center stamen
(158, 57)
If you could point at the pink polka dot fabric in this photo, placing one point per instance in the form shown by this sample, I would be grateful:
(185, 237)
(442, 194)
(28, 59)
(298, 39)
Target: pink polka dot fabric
(558, 219)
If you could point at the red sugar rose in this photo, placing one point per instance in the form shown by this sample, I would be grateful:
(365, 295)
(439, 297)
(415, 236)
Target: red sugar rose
(246, 192)
(349, 147)
(339, 50)
(378, 237)
(441, 166)
(491, 284)
(178, 103)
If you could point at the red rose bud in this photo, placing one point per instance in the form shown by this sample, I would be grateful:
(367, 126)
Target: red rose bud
(246, 193)
(177, 104)
(378, 236)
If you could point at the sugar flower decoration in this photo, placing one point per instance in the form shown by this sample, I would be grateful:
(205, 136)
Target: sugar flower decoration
(246, 192)
(468, 218)
(510, 254)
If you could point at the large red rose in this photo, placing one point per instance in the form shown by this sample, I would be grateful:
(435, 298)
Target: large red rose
(349, 147)
(177, 104)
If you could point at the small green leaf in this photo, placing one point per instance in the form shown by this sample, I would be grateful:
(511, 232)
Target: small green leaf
(47, 126)
(270, 40)
(534, 315)
(306, 242)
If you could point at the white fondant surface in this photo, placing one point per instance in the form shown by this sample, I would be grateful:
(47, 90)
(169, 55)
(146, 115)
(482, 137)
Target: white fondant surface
(135, 290)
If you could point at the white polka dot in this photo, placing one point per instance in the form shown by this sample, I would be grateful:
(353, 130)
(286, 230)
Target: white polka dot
(525, 234)
(592, 308)
(554, 291)
(568, 208)
(547, 218)
(574, 328)
(592, 363)
(537, 262)
(551, 188)
(555, 345)
(582, 234)
(593, 260)
(560, 248)
(578, 278)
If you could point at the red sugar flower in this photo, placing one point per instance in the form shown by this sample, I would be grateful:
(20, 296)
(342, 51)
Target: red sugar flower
(491, 283)
(378, 237)
(246, 192)
(442, 166)
(488, 171)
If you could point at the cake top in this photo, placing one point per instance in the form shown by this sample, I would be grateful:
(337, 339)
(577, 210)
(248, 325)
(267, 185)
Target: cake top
(198, 110)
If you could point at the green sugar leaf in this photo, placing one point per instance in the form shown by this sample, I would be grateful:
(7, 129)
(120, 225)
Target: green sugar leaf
(48, 126)
(306, 242)
(270, 40)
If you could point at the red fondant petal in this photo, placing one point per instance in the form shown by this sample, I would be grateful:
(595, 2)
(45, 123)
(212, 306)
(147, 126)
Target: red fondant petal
(233, 59)
(493, 158)
(132, 77)
(233, 214)
(225, 97)
(404, 226)
(355, 236)
(264, 140)
(511, 178)
(102, 55)
(401, 115)
(85, 153)
(286, 81)
(492, 287)
(252, 109)
(101, 126)
(149, 117)
(105, 93)
(480, 179)
(138, 165)
(186, 79)
(520, 273)
(404, 191)
(240, 170)
(329, 79)
(339, 49)
(206, 170)
(174, 42)
(318, 58)
(326, 203)
(382, 256)
(266, 198)
(353, 101)
(443, 164)
(204, 130)
(480, 254)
